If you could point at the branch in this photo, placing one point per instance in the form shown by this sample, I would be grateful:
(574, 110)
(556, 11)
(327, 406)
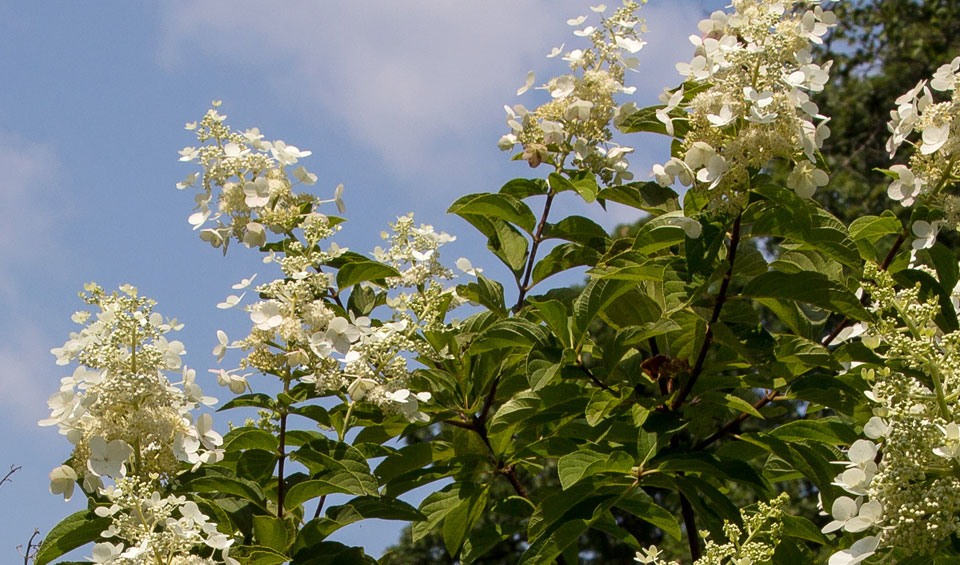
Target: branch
(718, 305)
(689, 521)
(32, 548)
(771, 395)
(537, 238)
(593, 378)
(6, 478)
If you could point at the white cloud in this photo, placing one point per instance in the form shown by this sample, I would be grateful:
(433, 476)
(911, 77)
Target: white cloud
(414, 81)
(24, 388)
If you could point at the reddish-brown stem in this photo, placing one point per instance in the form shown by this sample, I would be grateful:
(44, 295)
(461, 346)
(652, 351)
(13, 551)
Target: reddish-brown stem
(718, 305)
(537, 238)
(316, 514)
(690, 522)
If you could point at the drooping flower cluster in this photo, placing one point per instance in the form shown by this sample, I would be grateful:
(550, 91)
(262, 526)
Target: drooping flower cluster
(576, 121)
(904, 490)
(246, 188)
(935, 131)
(129, 423)
(747, 99)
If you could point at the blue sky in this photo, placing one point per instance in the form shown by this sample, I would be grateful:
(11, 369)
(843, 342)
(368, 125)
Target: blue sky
(402, 102)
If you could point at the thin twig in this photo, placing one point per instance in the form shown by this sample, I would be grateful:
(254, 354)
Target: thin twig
(718, 305)
(6, 478)
(689, 521)
(32, 548)
(594, 378)
(537, 238)
(319, 507)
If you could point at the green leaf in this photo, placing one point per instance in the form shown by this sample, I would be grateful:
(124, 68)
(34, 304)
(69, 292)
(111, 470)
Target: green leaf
(645, 120)
(269, 531)
(228, 485)
(830, 432)
(730, 401)
(361, 271)
(562, 257)
(331, 553)
(647, 196)
(506, 334)
(805, 286)
(522, 188)
(308, 490)
(485, 292)
(641, 505)
(254, 400)
(600, 406)
(77, 529)
(560, 183)
(578, 229)
(436, 506)
(250, 438)
(257, 555)
(801, 528)
(597, 296)
(502, 206)
(872, 228)
(461, 518)
(576, 466)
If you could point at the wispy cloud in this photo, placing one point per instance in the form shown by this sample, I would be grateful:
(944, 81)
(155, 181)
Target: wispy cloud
(408, 80)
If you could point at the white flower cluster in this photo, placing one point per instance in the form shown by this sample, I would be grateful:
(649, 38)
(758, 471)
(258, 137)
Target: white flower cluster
(152, 529)
(129, 423)
(904, 491)
(249, 179)
(300, 331)
(935, 127)
(118, 408)
(576, 121)
(747, 98)
(756, 543)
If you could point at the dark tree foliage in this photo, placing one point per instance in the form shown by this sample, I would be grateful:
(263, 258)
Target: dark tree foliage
(880, 48)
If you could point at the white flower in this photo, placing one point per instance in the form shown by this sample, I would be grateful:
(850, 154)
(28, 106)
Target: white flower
(933, 138)
(853, 517)
(189, 153)
(860, 550)
(108, 458)
(287, 154)
(62, 481)
(254, 235)
(723, 117)
(236, 383)
(806, 178)
(467, 267)
(208, 436)
(221, 348)
(531, 77)
(106, 552)
(341, 334)
(256, 192)
(875, 428)
(926, 233)
(230, 301)
(951, 449)
(906, 187)
(648, 555)
(244, 283)
(266, 315)
(303, 176)
(410, 403)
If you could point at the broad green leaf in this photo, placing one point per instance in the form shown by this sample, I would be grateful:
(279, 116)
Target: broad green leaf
(461, 518)
(645, 119)
(600, 406)
(502, 206)
(801, 528)
(436, 506)
(872, 228)
(809, 287)
(730, 401)
(574, 467)
(563, 257)
(79, 528)
(578, 229)
(269, 531)
(830, 432)
(522, 188)
(554, 313)
(362, 271)
(229, 485)
(254, 400)
(331, 553)
(647, 196)
(250, 438)
(308, 490)
(639, 504)
(505, 334)
(597, 296)
(257, 555)
(486, 292)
